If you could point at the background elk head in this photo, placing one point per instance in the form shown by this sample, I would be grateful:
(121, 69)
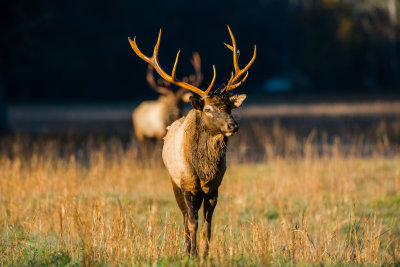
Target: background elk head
(151, 118)
(176, 99)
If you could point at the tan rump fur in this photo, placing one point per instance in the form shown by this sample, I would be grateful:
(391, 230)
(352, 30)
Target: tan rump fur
(151, 118)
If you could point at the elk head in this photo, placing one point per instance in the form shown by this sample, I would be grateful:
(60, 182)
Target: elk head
(216, 112)
(215, 107)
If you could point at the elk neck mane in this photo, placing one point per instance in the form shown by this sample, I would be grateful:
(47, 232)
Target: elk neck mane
(204, 149)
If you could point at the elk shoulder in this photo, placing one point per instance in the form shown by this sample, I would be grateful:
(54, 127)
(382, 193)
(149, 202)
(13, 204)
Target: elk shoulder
(194, 157)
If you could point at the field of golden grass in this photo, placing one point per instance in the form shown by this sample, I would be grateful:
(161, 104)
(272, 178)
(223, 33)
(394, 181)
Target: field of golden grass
(302, 201)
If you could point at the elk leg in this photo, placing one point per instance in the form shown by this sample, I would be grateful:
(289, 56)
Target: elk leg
(193, 203)
(210, 202)
(181, 203)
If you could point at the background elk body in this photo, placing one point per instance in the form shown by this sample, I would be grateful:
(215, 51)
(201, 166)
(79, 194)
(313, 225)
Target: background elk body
(151, 118)
(195, 146)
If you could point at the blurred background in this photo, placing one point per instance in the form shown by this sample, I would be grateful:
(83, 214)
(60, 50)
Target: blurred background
(313, 174)
(68, 62)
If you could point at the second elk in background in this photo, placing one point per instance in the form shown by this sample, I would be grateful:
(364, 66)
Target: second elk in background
(151, 118)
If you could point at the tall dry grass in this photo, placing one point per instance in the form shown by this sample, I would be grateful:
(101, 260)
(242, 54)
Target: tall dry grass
(300, 201)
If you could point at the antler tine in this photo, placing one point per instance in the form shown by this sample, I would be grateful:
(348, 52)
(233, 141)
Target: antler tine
(152, 82)
(212, 82)
(234, 50)
(233, 81)
(154, 62)
(236, 85)
(245, 69)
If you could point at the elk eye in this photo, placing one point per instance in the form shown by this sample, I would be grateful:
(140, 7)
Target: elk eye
(207, 110)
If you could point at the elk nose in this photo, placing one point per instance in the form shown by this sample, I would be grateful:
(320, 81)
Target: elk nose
(232, 126)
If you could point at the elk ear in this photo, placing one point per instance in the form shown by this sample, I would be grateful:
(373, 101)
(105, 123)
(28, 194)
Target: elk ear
(237, 100)
(197, 103)
(186, 97)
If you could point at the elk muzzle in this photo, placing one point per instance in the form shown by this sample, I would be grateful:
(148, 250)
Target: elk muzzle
(230, 128)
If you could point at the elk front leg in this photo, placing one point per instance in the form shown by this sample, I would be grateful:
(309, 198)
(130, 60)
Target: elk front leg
(193, 203)
(182, 205)
(210, 202)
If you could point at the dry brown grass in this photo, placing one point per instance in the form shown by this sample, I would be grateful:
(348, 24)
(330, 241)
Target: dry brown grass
(99, 204)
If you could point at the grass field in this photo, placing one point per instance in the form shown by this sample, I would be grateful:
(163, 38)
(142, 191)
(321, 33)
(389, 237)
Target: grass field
(313, 200)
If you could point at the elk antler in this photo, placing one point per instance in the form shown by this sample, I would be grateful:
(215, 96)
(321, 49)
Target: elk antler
(197, 78)
(153, 84)
(233, 81)
(154, 62)
(162, 86)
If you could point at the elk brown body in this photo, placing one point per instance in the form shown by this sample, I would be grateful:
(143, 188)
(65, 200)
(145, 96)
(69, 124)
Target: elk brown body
(194, 150)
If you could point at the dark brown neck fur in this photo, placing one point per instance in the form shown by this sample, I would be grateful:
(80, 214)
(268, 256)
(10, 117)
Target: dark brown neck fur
(206, 151)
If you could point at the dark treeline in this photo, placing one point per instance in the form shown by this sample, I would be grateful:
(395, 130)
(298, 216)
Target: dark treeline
(79, 50)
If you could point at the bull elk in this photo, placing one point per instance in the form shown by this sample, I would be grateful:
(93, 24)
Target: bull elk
(151, 118)
(195, 146)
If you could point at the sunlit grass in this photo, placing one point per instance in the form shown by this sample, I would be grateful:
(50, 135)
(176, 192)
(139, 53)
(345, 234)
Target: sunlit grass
(99, 204)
